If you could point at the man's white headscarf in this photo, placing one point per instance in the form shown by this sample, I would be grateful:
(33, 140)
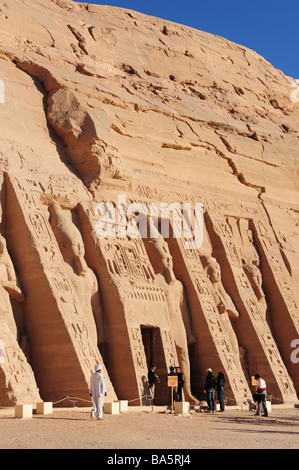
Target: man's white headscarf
(97, 367)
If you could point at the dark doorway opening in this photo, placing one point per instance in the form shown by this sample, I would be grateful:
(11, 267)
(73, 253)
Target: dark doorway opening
(154, 353)
(148, 344)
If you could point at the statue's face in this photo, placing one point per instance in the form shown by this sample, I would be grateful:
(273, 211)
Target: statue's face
(215, 272)
(78, 249)
(168, 262)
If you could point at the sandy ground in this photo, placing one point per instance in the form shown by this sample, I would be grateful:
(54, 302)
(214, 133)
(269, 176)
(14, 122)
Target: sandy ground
(72, 428)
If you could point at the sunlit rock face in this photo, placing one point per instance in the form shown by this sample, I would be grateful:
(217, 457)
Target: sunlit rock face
(103, 108)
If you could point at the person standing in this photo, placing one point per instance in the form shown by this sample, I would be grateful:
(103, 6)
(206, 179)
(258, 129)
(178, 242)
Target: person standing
(262, 395)
(151, 376)
(180, 384)
(210, 390)
(220, 381)
(97, 391)
(174, 391)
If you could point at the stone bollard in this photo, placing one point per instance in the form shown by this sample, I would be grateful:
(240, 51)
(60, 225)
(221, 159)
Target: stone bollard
(44, 408)
(182, 407)
(123, 406)
(23, 411)
(111, 408)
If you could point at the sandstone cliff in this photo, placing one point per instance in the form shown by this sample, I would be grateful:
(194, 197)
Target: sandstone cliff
(104, 104)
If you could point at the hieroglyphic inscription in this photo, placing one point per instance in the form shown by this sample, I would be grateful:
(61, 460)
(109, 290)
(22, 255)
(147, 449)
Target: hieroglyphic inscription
(127, 259)
(139, 358)
(148, 293)
(169, 347)
(136, 341)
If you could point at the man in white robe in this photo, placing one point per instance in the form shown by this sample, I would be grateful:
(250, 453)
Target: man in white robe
(97, 391)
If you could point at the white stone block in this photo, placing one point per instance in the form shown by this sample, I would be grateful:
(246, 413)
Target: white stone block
(23, 411)
(182, 407)
(44, 408)
(123, 405)
(111, 408)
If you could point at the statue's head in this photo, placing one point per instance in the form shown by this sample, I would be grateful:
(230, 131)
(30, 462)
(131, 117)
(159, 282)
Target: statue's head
(213, 269)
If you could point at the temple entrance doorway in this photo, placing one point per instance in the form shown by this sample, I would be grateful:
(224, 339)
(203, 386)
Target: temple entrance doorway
(154, 353)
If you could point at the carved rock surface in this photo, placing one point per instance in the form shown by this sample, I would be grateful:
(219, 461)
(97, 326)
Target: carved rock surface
(107, 105)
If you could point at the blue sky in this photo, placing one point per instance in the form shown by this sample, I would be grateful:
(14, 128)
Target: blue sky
(269, 27)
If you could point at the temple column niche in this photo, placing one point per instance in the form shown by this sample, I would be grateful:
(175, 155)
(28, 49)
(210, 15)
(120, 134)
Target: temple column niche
(281, 292)
(63, 350)
(17, 381)
(226, 308)
(252, 328)
(81, 276)
(215, 343)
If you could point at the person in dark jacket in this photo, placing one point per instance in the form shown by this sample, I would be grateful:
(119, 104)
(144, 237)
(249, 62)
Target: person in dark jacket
(220, 381)
(152, 381)
(171, 373)
(180, 383)
(210, 390)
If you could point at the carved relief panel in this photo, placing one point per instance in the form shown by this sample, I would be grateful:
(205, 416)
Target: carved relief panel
(222, 227)
(219, 337)
(29, 194)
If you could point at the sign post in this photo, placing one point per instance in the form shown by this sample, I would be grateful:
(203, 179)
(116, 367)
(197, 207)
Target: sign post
(172, 381)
